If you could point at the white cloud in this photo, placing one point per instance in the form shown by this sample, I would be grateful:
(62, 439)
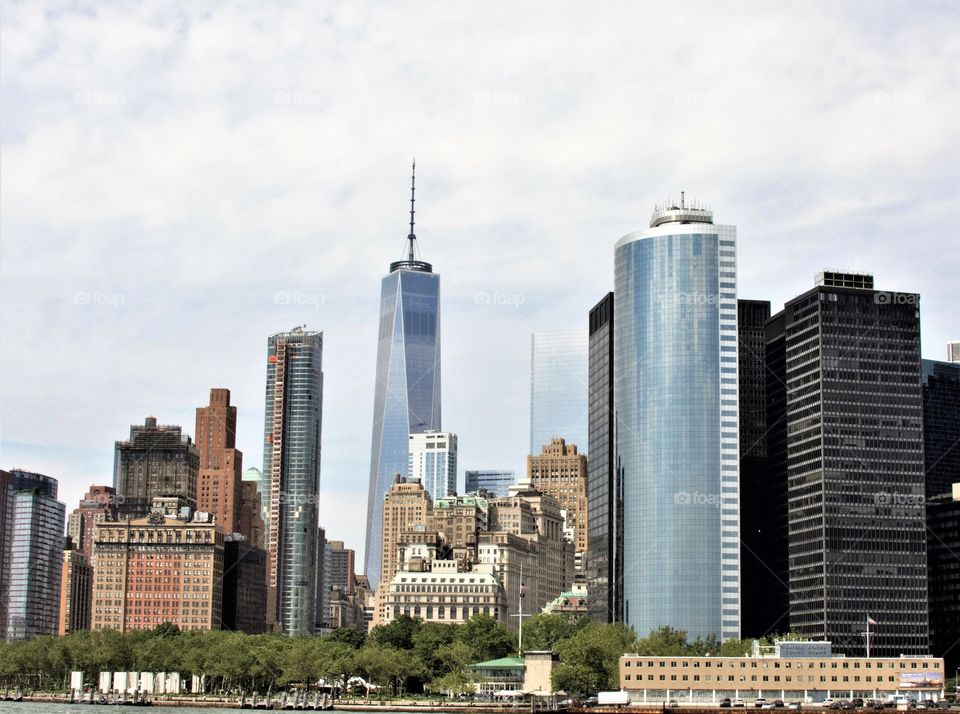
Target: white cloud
(181, 165)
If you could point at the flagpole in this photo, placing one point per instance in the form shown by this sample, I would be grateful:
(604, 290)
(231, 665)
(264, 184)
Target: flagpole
(520, 609)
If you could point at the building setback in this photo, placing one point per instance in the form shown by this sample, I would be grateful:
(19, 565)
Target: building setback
(558, 387)
(852, 459)
(604, 497)
(407, 392)
(763, 500)
(221, 463)
(157, 569)
(405, 505)
(559, 471)
(676, 405)
(433, 461)
(496, 482)
(291, 465)
(35, 554)
(155, 461)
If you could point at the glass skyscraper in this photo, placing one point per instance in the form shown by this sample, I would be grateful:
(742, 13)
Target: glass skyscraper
(407, 393)
(35, 556)
(676, 403)
(433, 462)
(558, 388)
(494, 481)
(604, 553)
(291, 466)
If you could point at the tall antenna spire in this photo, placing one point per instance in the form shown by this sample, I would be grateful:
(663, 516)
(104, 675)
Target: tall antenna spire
(413, 188)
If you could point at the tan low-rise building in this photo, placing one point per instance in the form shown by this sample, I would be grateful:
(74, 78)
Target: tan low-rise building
(812, 679)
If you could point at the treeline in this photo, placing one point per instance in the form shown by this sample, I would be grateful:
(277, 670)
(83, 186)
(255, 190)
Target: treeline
(405, 656)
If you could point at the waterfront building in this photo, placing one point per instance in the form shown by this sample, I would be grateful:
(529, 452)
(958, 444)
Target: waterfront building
(558, 387)
(805, 671)
(676, 406)
(496, 482)
(407, 392)
(161, 568)
(433, 461)
(157, 460)
(291, 466)
(848, 359)
(34, 546)
(221, 463)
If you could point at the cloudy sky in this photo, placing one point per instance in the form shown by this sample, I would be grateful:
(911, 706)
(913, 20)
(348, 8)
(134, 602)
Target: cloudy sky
(180, 181)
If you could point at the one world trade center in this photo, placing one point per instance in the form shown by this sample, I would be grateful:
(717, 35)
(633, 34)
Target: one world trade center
(407, 396)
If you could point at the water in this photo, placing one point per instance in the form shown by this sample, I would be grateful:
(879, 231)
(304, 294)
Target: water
(46, 708)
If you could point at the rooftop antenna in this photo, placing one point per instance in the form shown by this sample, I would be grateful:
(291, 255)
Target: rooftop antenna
(413, 188)
(681, 199)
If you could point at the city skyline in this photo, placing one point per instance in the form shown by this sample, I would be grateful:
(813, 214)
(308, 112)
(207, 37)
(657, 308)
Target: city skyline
(244, 226)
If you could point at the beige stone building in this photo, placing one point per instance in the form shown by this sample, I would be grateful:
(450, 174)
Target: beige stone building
(441, 590)
(406, 504)
(157, 569)
(812, 679)
(561, 472)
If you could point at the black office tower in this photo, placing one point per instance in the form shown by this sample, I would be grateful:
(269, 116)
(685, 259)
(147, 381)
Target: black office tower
(604, 559)
(941, 425)
(853, 454)
(763, 491)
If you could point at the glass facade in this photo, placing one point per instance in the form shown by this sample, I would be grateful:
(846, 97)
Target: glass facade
(35, 556)
(558, 388)
(433, 461)
(604, 555)
(407, 396)
(941, 425)
(291, 465)
(676, 403)
(497, 482)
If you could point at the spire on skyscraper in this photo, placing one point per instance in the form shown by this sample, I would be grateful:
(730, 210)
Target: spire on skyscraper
(411, 262)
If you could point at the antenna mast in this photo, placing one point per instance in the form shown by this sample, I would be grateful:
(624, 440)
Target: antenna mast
(413, 188)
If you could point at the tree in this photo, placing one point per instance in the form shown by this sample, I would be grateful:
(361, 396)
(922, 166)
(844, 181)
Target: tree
(429, 642)
(589, 661)
(486, 638)
(546, 630)
(398, 633)
(348, 636)
(664, 641)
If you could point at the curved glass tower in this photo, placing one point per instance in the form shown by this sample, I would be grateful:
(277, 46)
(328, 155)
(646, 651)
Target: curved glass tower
(676, 405)
(407, 396)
